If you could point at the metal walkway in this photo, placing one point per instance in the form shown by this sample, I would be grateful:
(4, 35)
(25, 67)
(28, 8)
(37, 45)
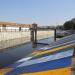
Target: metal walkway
(55, 59)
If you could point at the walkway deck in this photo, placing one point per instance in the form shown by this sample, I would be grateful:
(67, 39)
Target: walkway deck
(55, 59)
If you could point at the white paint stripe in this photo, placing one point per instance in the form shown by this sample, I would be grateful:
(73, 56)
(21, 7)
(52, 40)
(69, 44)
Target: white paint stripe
(62, 41)
(48, 58)
(64, 44)
(24, 59)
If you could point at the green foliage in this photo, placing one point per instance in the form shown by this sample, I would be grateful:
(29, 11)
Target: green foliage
(68, 25)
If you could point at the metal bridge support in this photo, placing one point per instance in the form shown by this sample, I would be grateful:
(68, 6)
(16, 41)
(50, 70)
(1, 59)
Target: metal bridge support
(34, 35)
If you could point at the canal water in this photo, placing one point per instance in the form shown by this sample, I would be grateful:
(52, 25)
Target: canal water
(10, 55)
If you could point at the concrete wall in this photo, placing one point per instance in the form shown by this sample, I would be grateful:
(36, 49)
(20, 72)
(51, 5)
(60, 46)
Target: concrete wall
(10, 39)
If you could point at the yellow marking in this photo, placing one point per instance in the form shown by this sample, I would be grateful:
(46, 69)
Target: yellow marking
(62, 71)
(52, 50)
(4, 71)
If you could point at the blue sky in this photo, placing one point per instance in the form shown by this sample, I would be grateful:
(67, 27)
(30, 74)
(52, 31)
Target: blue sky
(42, 12)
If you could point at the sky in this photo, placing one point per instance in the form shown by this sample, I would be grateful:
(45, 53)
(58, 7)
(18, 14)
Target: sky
(42, 12)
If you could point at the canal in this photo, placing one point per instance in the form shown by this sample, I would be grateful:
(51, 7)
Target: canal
(10, 55)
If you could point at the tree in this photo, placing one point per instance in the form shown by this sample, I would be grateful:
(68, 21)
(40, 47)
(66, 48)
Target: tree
(69, 25)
